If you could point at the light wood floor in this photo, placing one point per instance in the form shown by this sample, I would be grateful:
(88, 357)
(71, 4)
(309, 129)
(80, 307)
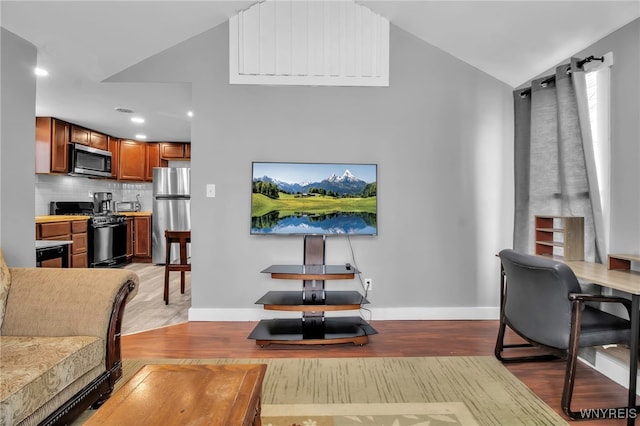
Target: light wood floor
(395, 339)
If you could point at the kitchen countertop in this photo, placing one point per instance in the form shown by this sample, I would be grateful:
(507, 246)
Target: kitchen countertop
(60, 218)
(44, 244)
(67, 218)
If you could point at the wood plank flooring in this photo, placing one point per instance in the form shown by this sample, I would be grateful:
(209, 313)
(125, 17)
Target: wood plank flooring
(395, 339)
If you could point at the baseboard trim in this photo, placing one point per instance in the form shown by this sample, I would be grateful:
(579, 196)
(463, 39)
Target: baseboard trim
(377, 314)
(614, 368)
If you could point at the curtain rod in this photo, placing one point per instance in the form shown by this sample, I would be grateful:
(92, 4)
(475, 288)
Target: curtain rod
(546, 81)
(589, 59)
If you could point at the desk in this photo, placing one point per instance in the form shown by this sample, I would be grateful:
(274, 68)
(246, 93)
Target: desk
(627, 281)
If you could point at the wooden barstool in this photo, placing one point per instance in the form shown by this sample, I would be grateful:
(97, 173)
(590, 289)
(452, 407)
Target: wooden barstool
(181, 238)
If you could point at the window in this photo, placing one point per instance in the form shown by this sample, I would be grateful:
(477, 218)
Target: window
(598, 79)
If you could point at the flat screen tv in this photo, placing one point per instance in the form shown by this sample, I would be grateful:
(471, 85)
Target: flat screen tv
(314, 199)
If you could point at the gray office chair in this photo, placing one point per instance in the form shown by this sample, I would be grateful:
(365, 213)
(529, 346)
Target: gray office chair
(541, 301)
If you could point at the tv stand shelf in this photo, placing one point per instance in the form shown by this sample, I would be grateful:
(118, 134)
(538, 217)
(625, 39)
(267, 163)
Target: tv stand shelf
(313, 301)
(294, 301)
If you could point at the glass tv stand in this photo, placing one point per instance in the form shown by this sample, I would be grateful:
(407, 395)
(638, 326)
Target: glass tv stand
(314, 328)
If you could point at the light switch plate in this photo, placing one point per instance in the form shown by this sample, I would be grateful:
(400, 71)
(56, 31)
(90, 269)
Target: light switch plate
(211, 190)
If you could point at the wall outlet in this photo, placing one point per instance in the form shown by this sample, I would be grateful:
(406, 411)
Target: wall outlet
(368, 283)
(211, 190)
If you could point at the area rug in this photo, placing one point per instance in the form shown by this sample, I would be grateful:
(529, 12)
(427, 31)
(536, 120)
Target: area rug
(488, 391)
(407, 414)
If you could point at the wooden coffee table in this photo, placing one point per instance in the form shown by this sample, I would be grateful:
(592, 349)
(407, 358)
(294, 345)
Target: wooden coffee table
(212, 395)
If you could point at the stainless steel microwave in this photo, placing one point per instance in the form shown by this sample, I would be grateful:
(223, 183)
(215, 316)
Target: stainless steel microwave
(87, 161)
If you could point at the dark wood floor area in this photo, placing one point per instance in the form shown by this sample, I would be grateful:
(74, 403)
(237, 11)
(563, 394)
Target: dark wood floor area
(395, 339)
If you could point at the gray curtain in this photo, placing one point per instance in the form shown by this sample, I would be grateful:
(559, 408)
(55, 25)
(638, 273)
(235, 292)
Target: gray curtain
(552, 176)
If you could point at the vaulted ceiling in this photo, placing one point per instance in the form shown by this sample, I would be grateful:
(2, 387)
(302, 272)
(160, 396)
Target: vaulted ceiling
(82, 43)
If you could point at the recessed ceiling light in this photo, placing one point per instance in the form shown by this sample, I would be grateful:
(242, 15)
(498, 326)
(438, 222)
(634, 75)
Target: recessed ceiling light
(139, 136)
(137, 119)
(190, 113)
(124, 110)
(41, 72)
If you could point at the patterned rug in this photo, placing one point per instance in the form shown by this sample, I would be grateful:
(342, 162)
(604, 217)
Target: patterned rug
(488, 392)
(407, 414)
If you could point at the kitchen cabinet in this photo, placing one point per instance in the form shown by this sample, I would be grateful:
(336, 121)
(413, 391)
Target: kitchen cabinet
(114, 148)
(175, 151)
(153, 159)
(52, 145)
(98, 140)
(80, 246)
(129, 239)
(80, 135)
(89, 137)
(142, 238)
(172, 150)
(67, 230)
(132, 160)
(59, 231)
(138, 237)
(136, 160)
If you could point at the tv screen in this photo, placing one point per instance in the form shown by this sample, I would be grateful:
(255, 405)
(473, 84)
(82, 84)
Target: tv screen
(314, 199)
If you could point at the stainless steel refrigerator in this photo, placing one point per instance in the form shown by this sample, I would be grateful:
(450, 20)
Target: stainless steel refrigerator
(171, 208)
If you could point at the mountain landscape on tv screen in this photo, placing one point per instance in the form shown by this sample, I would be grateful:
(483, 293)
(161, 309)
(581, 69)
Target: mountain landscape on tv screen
(347, 184)
(340, 203)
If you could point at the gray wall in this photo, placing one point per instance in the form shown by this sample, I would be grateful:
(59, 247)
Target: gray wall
(17, 149)
(441, 135)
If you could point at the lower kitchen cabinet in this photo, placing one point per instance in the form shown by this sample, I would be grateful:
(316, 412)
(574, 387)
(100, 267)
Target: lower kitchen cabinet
(142, 237)
(80, 246)
(75, 231)
(129, 239)
(139, 238)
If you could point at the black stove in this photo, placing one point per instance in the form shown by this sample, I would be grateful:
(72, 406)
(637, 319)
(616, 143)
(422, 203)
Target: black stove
(107, 232)
(85, 208)
(106, 219)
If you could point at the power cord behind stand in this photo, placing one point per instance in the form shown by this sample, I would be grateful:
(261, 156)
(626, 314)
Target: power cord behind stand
(364, 288)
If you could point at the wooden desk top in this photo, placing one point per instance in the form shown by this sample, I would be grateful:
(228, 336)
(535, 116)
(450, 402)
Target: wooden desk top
(212, 395)
(622, 280)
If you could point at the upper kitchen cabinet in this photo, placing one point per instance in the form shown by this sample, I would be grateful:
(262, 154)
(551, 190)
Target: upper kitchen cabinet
(114, 148)
(175, 151)
(132, 160)
(153, 159)
(52, 145)
(136, 160)
(89, 137)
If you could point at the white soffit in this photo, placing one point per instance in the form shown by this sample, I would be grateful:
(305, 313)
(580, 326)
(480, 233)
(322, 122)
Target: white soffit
(309, 42)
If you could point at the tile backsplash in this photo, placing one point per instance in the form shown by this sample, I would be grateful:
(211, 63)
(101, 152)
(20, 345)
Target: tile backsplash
(73, 188)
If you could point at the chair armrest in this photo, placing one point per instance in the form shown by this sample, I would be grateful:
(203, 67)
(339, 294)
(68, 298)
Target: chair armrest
(583, 298)
(64, 302)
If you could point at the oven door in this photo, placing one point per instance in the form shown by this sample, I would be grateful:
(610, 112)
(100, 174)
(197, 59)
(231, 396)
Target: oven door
(108, 245)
